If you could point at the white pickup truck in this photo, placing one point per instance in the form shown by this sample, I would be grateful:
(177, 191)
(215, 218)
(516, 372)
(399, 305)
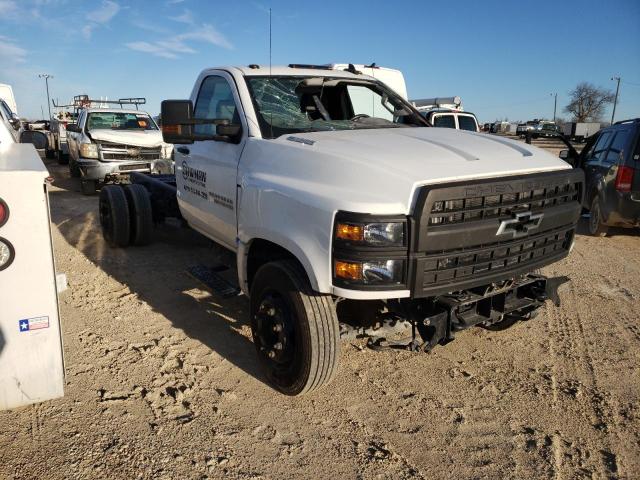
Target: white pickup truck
(340, 219)
(107, 144)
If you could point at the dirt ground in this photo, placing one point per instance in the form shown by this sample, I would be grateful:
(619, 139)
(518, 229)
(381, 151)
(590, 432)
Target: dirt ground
(162, 380)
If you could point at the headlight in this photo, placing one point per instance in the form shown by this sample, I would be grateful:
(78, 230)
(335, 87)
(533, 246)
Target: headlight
(370, 251)
(370, 272)
(378, 234)
(88, 150)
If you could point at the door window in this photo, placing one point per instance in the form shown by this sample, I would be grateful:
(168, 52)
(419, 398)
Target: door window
(445, 121)
(215, 101)
(616, 150)
(599, 149)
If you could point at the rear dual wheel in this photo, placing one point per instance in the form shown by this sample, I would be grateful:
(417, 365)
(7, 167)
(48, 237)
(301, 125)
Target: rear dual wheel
(295, 330)
(125, 215)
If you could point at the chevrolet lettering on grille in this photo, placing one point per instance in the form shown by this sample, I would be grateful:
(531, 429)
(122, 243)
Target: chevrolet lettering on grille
(520, 225)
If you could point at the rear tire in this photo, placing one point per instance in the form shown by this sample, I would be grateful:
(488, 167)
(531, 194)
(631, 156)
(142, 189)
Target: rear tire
(596, 227)
(140, 214)
(88, 187)
(295, 330)
(114, 216)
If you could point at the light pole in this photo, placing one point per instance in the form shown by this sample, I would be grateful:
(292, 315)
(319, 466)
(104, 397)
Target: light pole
(615, 101)
(46, 77)
(555, 104)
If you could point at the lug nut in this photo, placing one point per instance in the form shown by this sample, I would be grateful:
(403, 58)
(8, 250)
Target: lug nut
(271, 311)
(278, 346)
(277, 328)
(271, 354)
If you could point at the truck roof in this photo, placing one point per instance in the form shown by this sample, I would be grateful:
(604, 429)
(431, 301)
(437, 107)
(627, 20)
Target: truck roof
(116, 110)
(280, 70)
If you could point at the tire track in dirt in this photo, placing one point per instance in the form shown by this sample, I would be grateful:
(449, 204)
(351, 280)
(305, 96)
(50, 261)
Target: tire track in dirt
(574, 386)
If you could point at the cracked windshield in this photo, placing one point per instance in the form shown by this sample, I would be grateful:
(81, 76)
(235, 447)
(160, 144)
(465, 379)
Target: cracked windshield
(293, 104)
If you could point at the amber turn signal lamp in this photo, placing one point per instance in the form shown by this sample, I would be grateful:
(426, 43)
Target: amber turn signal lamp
(348, 232)
(171, 129)
(348, 270)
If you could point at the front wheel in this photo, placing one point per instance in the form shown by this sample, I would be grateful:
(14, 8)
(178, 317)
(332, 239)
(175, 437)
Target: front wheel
(596, 227)
(295, 330)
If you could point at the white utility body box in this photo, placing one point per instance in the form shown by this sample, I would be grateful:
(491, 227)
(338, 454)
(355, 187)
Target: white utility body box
(31, 363)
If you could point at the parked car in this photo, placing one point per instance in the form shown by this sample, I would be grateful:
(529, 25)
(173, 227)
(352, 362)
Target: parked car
(108, 144)
(329, 208)
(59, 123)
(452, 119)
(580, 131)
(545, 129)
(611, 162)
(523, 128)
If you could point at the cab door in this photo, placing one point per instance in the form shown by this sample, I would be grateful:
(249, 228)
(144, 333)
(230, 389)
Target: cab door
(593, 167)
(207, 170)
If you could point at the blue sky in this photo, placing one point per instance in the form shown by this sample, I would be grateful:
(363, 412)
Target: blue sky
(503, 60)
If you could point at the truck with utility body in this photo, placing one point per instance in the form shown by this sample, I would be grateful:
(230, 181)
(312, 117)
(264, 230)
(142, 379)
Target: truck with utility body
(347, 224)
(580, 131)
(107, 144)
(63, 116)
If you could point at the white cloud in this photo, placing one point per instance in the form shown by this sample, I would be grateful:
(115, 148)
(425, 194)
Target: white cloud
(11, 53)
(186, 17)
(182, 44)
(105, 13)
(100, 16)
(153, 49)
(7, 7)
(208, 34)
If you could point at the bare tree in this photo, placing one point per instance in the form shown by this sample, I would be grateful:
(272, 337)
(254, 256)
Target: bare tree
(588, 102)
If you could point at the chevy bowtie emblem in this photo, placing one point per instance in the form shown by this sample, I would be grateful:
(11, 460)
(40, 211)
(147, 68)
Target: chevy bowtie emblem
(133, 152)
(520, 225)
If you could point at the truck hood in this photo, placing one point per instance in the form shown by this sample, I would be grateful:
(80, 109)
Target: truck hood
(379, 170)
(139, 138)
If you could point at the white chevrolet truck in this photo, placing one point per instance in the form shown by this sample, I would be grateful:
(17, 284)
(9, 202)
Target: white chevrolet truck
(349, 216)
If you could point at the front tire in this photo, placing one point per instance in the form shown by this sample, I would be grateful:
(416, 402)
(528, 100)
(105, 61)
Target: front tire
(295, 330)
(596, 227)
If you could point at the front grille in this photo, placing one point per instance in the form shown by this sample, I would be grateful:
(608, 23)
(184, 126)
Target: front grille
(441, 272)
(461, 210)
(468, 234)
(115, 151)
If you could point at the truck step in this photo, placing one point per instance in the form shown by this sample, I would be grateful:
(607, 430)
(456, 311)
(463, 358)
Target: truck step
(212, 279)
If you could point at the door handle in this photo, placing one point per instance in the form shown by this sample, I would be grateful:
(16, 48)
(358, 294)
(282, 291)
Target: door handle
(183, 150)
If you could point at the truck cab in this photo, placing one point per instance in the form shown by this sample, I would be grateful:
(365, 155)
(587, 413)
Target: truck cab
(331, 205)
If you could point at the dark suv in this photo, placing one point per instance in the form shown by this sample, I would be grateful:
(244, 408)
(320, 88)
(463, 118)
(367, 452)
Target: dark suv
(611, 163)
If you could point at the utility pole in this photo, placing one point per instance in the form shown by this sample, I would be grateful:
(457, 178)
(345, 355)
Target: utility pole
(555, 104)
(46, 77)
(615, 101)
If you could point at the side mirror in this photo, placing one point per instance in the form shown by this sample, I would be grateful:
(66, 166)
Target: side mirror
(35, 137)
(177, 121)
(564, 154)
(73, 128)
(15, 122)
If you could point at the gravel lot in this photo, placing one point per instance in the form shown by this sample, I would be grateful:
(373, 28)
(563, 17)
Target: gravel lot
(162, 380)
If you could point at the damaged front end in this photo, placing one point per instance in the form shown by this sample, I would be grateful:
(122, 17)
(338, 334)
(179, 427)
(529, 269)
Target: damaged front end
(435, 320)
